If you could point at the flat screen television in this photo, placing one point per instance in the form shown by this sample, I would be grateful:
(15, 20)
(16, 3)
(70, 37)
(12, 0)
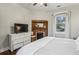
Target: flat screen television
(19, 28)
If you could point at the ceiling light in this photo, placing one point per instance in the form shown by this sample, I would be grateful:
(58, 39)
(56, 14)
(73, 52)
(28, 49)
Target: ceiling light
(41, 4)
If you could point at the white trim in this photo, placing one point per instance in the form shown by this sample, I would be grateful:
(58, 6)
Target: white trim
(4, 49)
(63, 12)
(68, 16)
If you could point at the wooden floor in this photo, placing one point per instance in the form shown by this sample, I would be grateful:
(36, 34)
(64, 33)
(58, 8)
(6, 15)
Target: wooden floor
(8, 52)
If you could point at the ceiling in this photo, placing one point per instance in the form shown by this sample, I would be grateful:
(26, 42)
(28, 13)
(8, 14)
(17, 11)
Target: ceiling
(51, 6)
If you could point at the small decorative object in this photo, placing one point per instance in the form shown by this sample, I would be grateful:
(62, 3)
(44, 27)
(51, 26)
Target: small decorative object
(32, 33)
(40, 24)
(44, 26)
(74, 38)
(36, 25)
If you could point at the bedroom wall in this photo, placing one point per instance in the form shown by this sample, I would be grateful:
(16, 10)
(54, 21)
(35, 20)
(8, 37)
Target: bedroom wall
(74, 29)
(10, 14)
(43, 15)
(74, 21)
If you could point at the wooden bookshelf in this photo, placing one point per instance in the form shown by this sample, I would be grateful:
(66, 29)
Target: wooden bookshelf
(43, 26)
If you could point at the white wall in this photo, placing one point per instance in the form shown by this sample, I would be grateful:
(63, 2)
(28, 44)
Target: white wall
(10, 14)
(74, 21)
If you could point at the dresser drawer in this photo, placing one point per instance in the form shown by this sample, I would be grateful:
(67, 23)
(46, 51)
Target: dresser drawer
(16, 41)
(27, 41)
(16, 46)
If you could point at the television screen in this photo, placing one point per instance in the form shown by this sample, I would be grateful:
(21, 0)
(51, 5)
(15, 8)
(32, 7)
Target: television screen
(18, 28)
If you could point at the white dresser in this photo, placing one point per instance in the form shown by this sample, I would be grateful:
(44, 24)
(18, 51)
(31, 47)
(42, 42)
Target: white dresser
(18, 40)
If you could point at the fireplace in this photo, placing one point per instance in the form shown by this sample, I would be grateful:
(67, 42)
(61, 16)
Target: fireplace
(40, 35)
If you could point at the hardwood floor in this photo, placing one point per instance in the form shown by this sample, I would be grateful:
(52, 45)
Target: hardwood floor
(8, 52)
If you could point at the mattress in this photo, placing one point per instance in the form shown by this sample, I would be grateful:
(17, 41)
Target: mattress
(49, 46)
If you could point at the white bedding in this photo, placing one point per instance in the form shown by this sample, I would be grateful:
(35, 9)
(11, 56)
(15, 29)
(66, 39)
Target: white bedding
(49, 46)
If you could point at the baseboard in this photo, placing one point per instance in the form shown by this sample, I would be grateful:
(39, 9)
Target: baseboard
(4, 49)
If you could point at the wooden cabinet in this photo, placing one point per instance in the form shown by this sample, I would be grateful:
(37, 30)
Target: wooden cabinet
(40, 26)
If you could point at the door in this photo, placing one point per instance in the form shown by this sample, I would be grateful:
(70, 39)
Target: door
(61, 28)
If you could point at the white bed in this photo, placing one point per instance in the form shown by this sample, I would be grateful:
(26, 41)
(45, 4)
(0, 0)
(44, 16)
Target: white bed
(49, 46)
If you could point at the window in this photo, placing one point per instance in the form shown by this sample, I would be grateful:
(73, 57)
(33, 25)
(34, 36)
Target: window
(60, 23)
